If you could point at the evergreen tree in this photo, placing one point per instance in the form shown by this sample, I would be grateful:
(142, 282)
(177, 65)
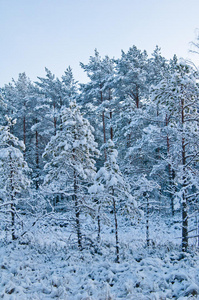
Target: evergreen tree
(131, 72)
(41, 131)
(20, 105)
(13, 172)
(50, 89)
(69, 87)
(157, 66)
(71, 165)
(97, 95)
(3, 107)
(177, 96)
(9, 96)
(23, 107)
(110, 188)
(49, 95)
(130, 93)
(58, 93)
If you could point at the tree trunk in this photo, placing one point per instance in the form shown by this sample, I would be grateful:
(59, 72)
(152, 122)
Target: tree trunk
(37, 160)
(170, 171)
(116, 228)
(54, 120)
(24, 133)
(60, 114)
(12, 201)
(99, 227)
(111, 115)
(12, 220)
(104, 126)
(184, 224)
(137, 100)
(184, 198)
(77, 213)
(147, 221)
(111, 129)
(184, 204)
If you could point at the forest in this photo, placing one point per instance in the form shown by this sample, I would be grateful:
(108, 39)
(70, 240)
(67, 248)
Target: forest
(99, 181)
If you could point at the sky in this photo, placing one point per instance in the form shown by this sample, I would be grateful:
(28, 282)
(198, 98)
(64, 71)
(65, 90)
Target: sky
(35, 34)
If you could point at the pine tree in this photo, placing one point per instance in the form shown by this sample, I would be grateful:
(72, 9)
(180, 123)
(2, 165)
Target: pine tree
(58, 93)
(131, 75)
(110, 188)
(130, 94)
(13, 172)
(157, 67)
(20, 103)
(71, 165)
(143, 188)
(97, 95)
(49, 96)
(177, 96)
(50, 89)
(3, 107)
(41, 131)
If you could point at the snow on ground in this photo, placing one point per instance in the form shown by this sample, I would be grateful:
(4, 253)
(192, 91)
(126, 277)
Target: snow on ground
(49, 266)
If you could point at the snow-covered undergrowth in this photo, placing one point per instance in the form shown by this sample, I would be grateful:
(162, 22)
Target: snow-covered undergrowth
(46, 264)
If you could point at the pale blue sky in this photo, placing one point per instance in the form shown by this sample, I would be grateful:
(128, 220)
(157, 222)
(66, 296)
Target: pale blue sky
(35, 34)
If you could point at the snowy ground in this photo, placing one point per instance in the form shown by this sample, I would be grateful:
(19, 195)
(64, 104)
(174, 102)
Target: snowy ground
(49, 266)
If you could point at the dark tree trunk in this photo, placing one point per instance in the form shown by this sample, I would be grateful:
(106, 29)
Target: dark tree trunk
(116, 228)
(99, 227)
(111, 129)
(24, 133)
(12, 202)
(184, 205)
(111, 115)
(184, 198)
(184, 224)
(104, 125)
(54, 120)
(60, 115)
(77, 212)
(147, 222)
(146, 196)
(37, 159)
(137, 100)
(170, 172)
(13, 220)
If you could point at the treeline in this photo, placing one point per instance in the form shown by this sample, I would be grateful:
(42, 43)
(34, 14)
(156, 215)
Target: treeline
(126, 141)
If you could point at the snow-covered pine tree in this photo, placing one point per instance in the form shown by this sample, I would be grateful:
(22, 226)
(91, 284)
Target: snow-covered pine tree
(50, 88)
(130, 94)
(69, 87)
(71, 165)
(20, 102)
(2, 104)
(3, 107)
(41, 131)
(143, 188)
(23, 108)
(157, 66)
(131, 72)
(49, 96)
(110, 189)
(97, 95)
(177, 95)
(9, 95)
(13, 173)
(57, 92)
